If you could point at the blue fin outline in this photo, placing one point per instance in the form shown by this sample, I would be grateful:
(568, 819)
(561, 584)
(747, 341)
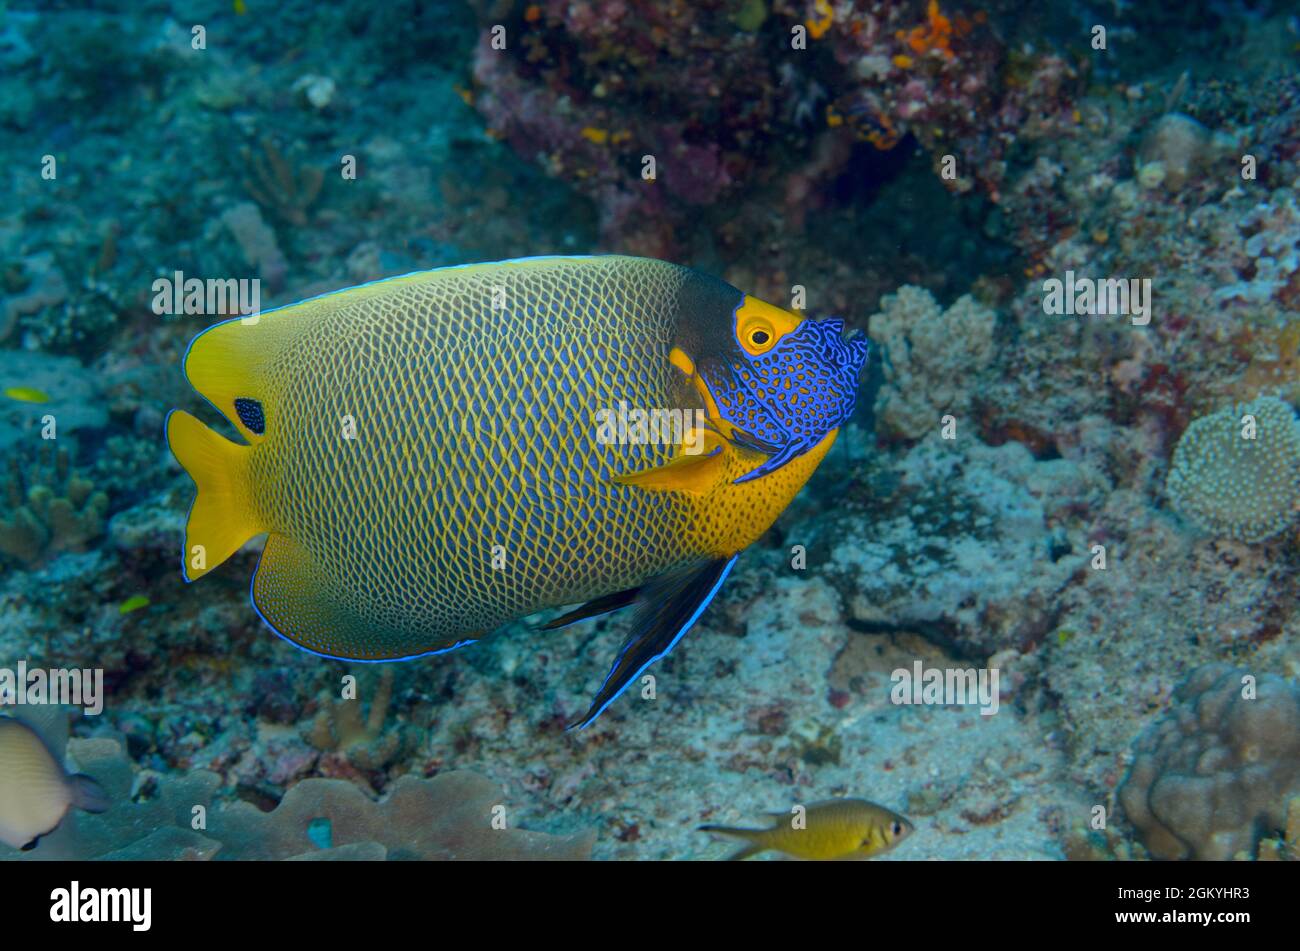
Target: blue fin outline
(638, 636)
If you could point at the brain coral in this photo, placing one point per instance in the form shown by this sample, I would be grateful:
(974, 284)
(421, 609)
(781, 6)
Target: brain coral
(1244, 488)
(1216, 773)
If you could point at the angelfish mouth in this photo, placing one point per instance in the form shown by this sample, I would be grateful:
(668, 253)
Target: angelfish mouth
(841, 351)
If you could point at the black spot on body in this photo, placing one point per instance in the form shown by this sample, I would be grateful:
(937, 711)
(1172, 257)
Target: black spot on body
(250, 414)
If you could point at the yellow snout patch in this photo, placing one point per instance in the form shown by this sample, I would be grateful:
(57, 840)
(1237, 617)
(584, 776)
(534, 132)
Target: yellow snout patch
(760, 325)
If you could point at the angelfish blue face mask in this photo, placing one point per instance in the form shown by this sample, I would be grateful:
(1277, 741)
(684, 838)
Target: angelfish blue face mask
(787, 400)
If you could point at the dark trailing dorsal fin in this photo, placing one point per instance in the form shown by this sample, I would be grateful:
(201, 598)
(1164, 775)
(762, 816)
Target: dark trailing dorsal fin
(667, 608)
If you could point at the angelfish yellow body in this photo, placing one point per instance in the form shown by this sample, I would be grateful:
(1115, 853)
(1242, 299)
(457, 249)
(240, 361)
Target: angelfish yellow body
(425, 455)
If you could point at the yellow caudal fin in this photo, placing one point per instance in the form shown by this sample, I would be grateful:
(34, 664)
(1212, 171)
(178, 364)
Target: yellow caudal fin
(221, 518)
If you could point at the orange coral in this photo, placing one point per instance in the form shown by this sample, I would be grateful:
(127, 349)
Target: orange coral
(878, 129)
(936, 33)
(826, 16)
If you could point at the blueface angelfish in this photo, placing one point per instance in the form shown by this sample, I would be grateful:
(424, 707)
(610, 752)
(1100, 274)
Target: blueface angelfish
(423, 452)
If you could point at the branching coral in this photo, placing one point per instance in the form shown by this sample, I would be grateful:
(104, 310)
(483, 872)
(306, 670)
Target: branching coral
(932, 358)
(341, 728)
(1236, 472)
(285, 189)
(54, 510)
(1218, 771)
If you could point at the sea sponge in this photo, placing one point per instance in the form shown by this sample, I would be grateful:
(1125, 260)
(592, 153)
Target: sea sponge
(1216, 774)
(1227, 484)
(932, 358)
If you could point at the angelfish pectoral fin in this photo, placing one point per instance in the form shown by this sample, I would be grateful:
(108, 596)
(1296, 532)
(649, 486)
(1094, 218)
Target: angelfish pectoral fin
(669, 606)
(696, 473)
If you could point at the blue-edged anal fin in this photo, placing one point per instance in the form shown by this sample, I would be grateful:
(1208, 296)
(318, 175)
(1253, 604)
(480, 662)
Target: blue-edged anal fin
(668, 606)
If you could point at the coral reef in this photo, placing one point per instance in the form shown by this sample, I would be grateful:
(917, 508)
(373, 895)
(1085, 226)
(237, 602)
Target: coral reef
(933, 358)
(454, 815)
(1218, 772)
(286, 189)
(1236, 473)
(912, 155)
(939, 543)
(51, 510)
(735, 105)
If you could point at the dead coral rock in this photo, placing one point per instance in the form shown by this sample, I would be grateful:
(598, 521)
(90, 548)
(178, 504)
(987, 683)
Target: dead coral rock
(43, 286)
(1218, 771)
(940, 544)
(75, 401)
(256, 242)
(1176, 150)
(450, 816)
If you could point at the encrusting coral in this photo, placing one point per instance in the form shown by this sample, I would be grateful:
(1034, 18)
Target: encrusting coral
(1218, 771)
(932, 358)
(1236, 472)
(453, 815)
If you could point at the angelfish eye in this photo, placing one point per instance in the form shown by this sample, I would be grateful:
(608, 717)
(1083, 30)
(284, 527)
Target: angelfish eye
(896, 829)
(757, 337)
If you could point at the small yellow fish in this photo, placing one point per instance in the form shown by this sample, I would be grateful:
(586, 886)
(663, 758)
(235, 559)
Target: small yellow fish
(27, 394)
(831, 829)
(133, 603)
(36, 792)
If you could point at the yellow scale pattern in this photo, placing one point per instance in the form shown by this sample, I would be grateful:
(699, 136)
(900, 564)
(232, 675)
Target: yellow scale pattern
(475, 427)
